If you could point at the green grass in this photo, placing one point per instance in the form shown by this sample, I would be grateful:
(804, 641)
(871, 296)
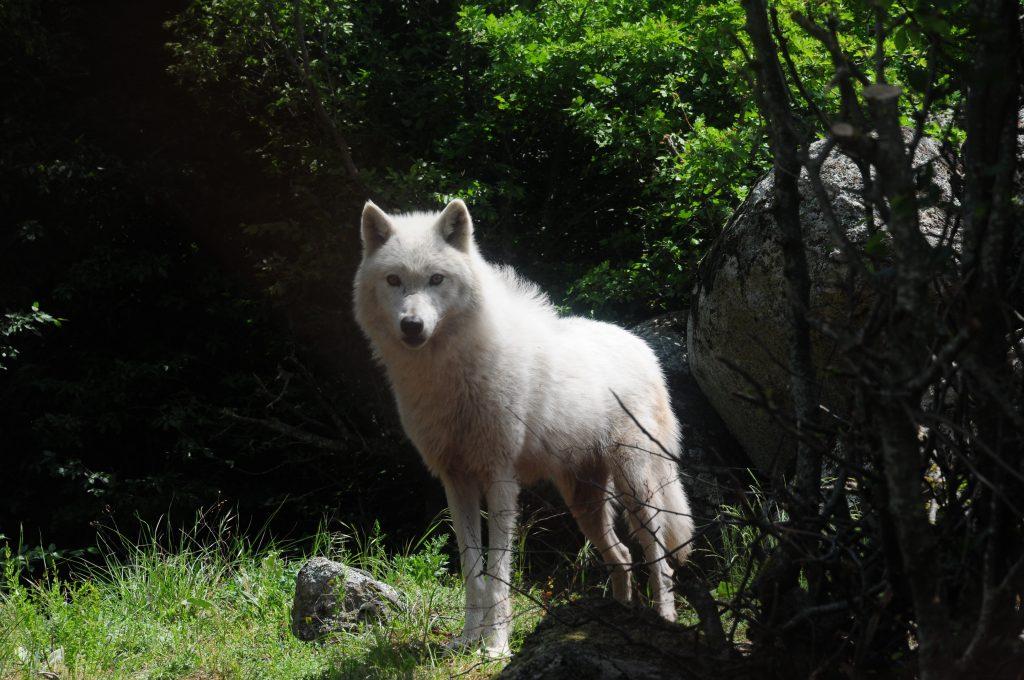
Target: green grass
(209, 604)
(219, 608)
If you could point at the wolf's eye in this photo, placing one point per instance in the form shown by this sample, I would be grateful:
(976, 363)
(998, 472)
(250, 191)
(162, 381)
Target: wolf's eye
(394, 280)
(436, 279)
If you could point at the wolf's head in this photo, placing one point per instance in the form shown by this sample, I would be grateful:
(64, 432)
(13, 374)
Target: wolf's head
(417, 273)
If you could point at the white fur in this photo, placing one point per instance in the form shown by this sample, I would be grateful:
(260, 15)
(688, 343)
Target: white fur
(504, 392)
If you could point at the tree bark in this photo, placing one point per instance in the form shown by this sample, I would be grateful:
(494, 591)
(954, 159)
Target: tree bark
(774, 99)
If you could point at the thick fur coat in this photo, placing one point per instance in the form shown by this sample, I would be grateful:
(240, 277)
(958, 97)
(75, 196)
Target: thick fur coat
(496, 390)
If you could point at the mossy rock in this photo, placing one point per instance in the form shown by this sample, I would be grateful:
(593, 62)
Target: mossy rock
(331, 596)
(601, 639)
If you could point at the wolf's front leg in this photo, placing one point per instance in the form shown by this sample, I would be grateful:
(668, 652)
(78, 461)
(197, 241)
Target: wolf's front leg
(502, 511)
(464, 504)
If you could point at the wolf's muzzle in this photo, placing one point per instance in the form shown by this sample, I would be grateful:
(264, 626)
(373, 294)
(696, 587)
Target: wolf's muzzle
(412, 331)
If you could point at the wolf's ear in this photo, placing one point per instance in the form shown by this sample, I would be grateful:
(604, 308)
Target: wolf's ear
(456, 226)
(376, 227)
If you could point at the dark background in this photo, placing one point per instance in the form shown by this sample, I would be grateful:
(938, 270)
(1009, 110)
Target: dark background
(121, 199)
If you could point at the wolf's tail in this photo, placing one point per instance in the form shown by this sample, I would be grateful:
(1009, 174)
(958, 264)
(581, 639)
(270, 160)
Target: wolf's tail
(678, 520)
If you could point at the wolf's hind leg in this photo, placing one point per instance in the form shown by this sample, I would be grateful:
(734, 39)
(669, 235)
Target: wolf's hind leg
(464, 504)
(590, 502)
(502, 512)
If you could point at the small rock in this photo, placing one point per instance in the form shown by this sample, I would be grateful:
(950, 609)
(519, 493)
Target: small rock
(331, 596)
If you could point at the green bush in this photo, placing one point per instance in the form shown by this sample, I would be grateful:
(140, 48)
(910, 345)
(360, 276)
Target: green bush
(600, 144)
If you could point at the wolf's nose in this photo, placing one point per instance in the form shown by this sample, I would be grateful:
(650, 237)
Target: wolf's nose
(412, 326)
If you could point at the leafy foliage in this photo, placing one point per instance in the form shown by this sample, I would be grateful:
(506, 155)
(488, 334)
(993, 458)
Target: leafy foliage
(576, 130)
(19, 323)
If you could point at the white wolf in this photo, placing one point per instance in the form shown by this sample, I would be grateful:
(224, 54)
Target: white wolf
(496, 391)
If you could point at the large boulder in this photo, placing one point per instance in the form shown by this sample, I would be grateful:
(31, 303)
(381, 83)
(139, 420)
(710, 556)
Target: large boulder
(709, 452)
(738, 327)
(331, 596)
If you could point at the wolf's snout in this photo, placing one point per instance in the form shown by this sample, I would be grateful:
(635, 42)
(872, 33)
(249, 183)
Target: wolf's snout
(412, 327)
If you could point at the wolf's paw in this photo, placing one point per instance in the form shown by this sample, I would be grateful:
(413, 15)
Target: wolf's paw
(667, 611)
(462, 643)
(488, 649)
(496, 652)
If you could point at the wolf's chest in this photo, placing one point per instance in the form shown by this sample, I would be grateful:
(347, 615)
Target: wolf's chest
(459, 418)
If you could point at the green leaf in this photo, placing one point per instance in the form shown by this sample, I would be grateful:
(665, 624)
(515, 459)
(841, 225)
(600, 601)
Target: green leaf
(899, 38)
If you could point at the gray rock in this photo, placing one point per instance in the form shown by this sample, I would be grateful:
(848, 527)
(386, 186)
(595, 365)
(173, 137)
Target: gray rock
(600, 640)
(331, 596)
(739, 309)
(709, 451)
